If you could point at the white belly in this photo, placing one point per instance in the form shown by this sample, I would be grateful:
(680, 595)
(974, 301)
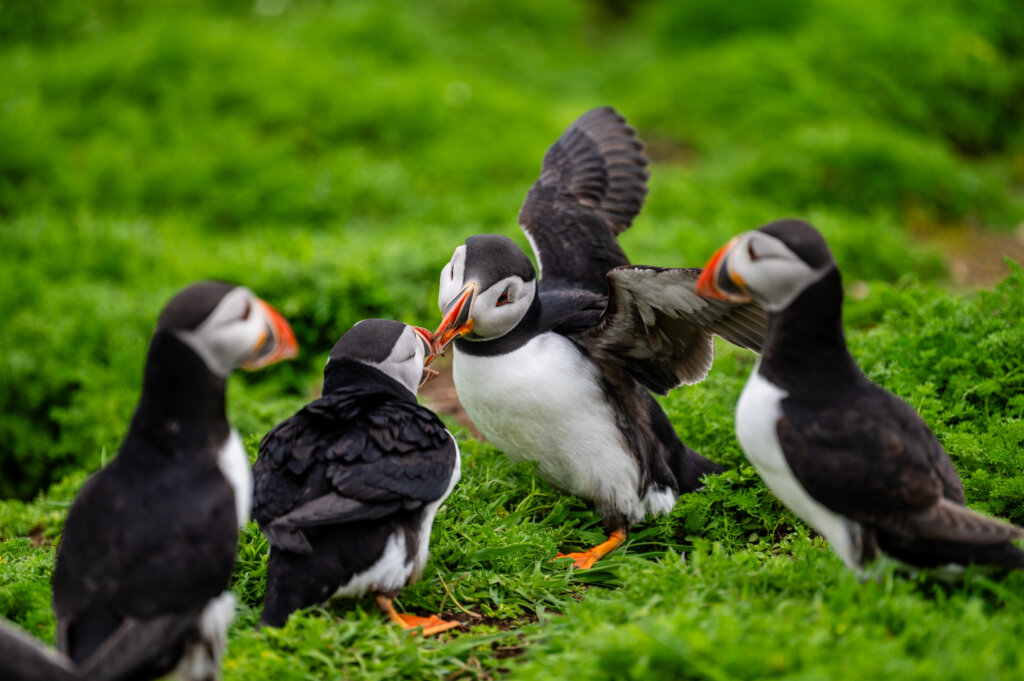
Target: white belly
(201, 661)
(234, 464)
(393, 570)
(543, 403)
(757, 414)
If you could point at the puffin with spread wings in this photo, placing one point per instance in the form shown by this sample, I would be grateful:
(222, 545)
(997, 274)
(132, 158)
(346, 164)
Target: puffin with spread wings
(557, 370)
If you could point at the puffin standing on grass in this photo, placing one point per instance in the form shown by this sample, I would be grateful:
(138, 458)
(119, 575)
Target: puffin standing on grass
(558, 370)
(347, 488)
(853, 461)
(139, 588)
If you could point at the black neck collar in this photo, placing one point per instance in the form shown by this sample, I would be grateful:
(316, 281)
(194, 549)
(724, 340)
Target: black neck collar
(182, 407)
(805, 343)
(347, 373)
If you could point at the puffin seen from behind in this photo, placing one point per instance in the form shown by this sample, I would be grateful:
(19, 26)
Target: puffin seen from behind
(149, 545)
(558, 370)
(852, 460)
(347, 488)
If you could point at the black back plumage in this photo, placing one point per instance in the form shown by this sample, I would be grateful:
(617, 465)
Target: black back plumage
(367, 441)
(337, 479)
(153, 535)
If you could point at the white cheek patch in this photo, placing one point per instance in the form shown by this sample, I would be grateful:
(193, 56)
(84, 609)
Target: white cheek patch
(452, 278)
(775, 278)
(491, 320)
(405, 363)
(224, 339)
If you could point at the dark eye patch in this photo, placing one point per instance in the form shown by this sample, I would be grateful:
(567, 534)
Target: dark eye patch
(502, 299)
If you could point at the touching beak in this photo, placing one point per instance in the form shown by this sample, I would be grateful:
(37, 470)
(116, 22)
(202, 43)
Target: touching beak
(457, 320)
(719, 281)
(429, 356)
(276, 343)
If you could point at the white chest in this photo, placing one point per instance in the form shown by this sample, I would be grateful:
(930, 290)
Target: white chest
(201, 661)
(757, 415)
(234, 464)
(543, 402)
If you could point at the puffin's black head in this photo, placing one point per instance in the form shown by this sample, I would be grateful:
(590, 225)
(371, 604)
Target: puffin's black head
(772, 265)
(228, 327)
(394, 348)
(486, 289)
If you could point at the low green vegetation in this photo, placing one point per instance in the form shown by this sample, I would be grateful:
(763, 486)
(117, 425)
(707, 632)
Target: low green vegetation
(330, 155)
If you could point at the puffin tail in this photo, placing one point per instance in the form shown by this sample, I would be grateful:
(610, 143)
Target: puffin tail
(24, 658)
(687, 466)
(1003, 555)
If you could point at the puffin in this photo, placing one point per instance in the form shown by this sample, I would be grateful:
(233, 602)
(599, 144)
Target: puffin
(850, 459)
(559, 369)
(148, 548)
(348, 487)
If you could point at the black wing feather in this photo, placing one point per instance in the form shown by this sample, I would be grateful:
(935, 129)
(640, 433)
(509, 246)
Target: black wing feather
(873, 459)
(363, 456)
(110, 556)
(591, 187)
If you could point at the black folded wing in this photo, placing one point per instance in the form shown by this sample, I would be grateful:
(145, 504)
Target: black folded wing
(349, 456)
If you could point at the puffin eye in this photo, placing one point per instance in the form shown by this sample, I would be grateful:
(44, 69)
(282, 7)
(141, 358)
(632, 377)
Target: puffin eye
(750, 250)
(245, 312)
(502, 299)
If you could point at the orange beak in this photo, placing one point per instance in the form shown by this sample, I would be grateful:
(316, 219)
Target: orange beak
(456, 320)
(277, 342)
(429, 356)
(719, 281)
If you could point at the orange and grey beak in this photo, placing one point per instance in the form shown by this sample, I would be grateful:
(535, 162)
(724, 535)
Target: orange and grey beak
(429, 355)
(719, 281)
(277, 342)
(457, 320)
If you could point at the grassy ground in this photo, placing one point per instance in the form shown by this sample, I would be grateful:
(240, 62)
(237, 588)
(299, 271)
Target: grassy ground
(331, 155)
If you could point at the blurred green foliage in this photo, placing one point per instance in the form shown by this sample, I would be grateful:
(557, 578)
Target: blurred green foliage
(331, 153)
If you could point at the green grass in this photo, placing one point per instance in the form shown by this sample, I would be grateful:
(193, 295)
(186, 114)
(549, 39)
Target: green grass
(331, 154)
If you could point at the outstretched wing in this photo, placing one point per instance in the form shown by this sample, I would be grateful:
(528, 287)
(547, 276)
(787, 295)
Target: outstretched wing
(342, 460)
(591, 186)
(660, 330)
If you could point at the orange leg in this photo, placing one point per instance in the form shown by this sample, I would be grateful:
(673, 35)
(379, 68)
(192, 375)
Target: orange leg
(411, 623)
(586, 559)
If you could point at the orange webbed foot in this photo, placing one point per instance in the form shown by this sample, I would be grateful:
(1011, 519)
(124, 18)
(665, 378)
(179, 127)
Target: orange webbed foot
(430, 625)
(586, 559)
(414, 624)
